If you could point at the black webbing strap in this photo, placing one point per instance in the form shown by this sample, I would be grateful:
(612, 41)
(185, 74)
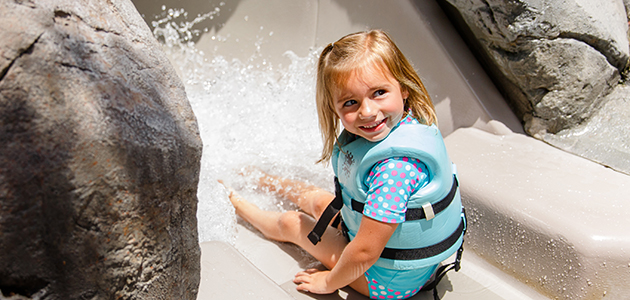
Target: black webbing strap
(441, 272)
(329, 213)
(424, 252)
(418, 213)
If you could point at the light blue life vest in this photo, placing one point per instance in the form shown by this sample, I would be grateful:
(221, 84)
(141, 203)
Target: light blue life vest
(438, 235)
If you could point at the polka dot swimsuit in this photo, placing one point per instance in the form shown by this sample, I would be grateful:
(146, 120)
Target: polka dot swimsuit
(396, 284)
(391, 182)
(378, 291)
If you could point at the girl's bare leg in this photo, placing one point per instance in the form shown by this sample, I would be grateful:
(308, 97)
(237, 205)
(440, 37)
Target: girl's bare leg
(311, 199)
(294, 227)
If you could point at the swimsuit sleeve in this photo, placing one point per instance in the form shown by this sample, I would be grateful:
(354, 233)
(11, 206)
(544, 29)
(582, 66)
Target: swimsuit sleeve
(390, 183)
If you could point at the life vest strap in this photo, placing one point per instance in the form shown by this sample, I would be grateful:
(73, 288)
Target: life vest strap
(419, 213)
(329, 213)
(336, 204)
(425, 252)
(441, 272)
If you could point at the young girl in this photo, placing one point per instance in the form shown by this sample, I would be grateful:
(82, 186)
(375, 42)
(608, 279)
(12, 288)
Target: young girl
(400, 209)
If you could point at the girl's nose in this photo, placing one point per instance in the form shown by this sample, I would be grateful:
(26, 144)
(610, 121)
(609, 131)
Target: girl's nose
(367, 109)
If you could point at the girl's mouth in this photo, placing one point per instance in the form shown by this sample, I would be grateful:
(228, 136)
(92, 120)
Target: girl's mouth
(374, 126)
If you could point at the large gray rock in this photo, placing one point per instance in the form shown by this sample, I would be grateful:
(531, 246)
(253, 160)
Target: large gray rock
(99, 160)
(555, 61)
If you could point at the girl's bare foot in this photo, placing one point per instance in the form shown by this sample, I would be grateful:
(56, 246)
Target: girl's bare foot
(235, 198)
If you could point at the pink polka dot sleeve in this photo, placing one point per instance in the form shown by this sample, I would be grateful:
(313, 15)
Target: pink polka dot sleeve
(391, 182)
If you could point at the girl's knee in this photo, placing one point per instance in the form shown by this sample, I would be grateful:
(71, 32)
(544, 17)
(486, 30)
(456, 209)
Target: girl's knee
(320, 206)
(290, 224)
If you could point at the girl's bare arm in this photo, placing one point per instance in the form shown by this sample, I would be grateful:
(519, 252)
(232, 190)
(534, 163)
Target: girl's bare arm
(360, 254)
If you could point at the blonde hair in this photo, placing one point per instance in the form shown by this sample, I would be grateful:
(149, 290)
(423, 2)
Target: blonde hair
(358, 52)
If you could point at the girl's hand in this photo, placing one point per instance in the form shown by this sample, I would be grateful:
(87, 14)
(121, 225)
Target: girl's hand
(313, 281)
(357, 257)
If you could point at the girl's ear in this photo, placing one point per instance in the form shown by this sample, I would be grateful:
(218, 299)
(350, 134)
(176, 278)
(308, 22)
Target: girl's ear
(405, 93)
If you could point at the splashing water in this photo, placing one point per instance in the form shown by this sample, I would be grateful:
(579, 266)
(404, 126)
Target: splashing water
(248, 115)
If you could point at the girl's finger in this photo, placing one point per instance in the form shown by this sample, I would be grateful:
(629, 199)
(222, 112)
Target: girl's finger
(302, 288)
(301, 278)
(306, 272)
(299, 274)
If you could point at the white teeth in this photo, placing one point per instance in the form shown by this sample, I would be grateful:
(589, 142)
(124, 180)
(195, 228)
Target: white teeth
(372, 126)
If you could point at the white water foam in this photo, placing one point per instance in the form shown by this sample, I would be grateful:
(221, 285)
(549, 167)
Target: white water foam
(248, 115)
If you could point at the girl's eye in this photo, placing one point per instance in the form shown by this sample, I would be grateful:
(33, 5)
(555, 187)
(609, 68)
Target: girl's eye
(379, 93)
(349, 103)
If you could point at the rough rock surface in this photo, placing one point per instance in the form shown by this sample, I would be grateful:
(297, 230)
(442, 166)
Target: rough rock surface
(556, 62)
(100, 155)
(605, 137)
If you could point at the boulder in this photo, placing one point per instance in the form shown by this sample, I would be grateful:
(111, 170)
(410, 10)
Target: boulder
(556, 62)
(100, 157)
(555, 59)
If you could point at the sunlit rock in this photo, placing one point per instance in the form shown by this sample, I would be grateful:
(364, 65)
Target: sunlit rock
(605, 137)
(554, 61)
(99, 160)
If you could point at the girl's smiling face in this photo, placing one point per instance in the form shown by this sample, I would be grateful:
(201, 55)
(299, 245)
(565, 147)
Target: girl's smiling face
(370, 104)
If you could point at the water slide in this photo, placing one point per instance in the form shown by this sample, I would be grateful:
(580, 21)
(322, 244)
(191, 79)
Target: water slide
(253, 100)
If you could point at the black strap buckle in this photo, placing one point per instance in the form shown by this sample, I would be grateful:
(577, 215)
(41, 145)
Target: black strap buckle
(314, 237)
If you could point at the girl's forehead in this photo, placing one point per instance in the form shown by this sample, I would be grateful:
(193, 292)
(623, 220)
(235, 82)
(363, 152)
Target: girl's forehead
(364, 75)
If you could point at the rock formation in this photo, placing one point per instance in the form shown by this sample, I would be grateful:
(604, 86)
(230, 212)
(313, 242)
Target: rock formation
(557, 62)
(99, 160)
